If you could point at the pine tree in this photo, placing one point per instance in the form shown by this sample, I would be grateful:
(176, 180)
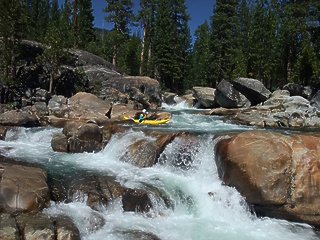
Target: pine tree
(85, 23)
(172, 43)
(243, 50)
(224, 24)
(129, 56)
(119, 12)
(66, 25)
(201, 56)
(12, 29)
(298, 60)
(146, 16)
(262, 41)
(38, 16)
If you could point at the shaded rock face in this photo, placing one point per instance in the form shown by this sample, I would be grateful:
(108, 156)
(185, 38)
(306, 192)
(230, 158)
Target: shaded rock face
(253, 89)
(278, 174)
(23, 189)
(142, 89)
(82, 70)
(228, 97)
(315, 101)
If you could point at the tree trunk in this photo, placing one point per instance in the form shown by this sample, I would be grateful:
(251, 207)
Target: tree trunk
(143, 43)
(115, 52)
(75, 26)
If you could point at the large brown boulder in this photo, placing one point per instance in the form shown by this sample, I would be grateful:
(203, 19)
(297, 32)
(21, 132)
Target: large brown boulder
(23, 188)
(279, 174)
(78, 137)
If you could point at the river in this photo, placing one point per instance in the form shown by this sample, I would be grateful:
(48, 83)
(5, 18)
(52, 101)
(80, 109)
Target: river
(196, 215)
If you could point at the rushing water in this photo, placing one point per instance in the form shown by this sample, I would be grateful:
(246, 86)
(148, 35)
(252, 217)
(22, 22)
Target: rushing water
(222, 214)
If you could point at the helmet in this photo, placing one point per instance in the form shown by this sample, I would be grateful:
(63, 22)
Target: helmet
(144, 110)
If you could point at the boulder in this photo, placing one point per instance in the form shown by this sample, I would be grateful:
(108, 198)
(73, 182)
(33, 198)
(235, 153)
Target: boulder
(183, 150)
(19, 118)
(228, 97)
(34, 227)
(58, 106)
(293, 88)
(101, 191)
(8, 227)
(315, 101)
(78, 137)
(59, 142)
(252, 89)
(278, 174)
(66, 229)
(151, 149)
(205, 96)
(23, 188)
(134, 200)
(3, 132)
(169, 98)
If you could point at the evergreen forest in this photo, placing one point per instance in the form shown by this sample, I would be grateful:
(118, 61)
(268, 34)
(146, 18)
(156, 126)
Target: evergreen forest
(274, 41)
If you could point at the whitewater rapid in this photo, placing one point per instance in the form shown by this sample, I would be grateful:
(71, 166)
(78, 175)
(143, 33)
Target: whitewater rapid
(202, 207)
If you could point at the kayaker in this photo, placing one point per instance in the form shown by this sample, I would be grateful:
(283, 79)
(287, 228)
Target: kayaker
(143, 115)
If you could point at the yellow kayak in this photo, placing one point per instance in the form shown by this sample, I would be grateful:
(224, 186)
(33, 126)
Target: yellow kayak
(149, 121)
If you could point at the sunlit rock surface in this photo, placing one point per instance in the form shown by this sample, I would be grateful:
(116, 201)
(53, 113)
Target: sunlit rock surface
(277, 173)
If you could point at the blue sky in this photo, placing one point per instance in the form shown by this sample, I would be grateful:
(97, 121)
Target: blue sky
(199, 10)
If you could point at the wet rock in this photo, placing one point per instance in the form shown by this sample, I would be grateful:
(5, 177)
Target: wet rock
(97, 191)
(23, 188)
(66, 229)
(131, 235)
(169, 98)
(78, 137)
(151, 149)
(59, 143)
(279, 174)
(34, 227)
(3, 132)
(8, 227)
(136, 201)
(182, 153)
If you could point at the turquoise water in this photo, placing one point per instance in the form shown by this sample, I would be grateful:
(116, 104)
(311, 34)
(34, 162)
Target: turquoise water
(196, 214)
